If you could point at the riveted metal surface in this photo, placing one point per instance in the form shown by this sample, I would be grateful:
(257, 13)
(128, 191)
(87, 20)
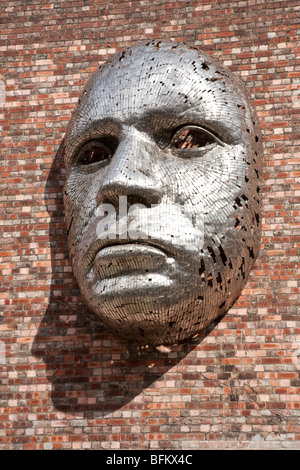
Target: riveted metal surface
(162, 193)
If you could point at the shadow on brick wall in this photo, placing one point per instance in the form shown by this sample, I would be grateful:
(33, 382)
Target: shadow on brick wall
(92, 370)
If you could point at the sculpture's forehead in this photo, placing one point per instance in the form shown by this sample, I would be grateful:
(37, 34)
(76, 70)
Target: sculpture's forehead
(170, 78)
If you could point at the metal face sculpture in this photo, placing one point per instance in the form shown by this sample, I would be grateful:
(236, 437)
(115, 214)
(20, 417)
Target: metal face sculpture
(162, 193)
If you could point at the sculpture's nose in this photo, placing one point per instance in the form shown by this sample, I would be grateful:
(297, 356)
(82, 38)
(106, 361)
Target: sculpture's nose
(132, 172)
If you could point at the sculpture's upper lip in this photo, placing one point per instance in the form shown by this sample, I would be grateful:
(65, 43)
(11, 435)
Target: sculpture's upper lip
(98, 245)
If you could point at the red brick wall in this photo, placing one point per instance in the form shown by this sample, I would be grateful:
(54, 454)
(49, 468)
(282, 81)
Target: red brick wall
(67, 382)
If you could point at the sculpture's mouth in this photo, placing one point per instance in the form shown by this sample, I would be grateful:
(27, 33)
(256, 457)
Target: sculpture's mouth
(124, 258)
(106, 250)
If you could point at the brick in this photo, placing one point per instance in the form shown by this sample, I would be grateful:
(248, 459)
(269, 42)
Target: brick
(69, 384)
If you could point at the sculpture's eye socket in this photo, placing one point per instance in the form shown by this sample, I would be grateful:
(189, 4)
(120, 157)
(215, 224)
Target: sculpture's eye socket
(93, 154)
(193, 137)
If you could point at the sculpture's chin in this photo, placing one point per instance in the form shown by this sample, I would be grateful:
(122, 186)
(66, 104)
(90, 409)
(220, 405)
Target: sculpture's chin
(153, 320)
(156, 328)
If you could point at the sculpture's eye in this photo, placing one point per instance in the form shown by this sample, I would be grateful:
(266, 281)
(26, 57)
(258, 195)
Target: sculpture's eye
(94, 152)
(193, 137)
